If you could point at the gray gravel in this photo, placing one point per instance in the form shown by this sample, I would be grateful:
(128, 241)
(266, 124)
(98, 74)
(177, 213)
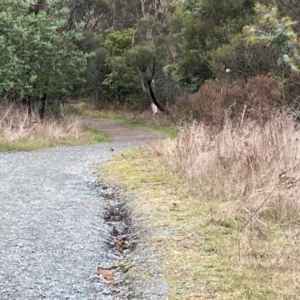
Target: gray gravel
(52, 232)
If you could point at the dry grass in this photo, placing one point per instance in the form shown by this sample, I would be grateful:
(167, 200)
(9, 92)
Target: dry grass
(252, 174)
(19, 131)
(256, 166)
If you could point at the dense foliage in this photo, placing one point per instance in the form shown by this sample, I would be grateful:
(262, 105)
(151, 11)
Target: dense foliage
(38, 57)
(143, 50)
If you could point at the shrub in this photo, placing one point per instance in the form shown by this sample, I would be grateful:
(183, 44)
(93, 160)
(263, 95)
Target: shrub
(254, 99)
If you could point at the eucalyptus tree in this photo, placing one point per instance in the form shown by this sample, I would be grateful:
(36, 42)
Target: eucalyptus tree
(38, 58)
(198, 28)
(278, 32)
(137, 32)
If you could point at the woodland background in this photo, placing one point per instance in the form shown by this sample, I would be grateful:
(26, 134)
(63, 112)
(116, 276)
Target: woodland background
(210, 59)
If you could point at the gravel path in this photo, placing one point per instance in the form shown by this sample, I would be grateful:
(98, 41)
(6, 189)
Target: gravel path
(52, 231)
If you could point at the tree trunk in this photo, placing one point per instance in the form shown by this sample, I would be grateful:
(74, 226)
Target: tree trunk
(43, 106)
(160, 107)
(61, 109)
(143, 8)
(27, 101)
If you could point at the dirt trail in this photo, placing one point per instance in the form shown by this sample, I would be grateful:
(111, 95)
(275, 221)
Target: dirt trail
(121, 133)
(54, 229)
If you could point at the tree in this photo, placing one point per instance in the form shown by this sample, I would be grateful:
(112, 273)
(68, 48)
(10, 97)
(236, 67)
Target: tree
(119, 81)
(138, 28)
(38, 58)
(145, 60)
(276, 32)
(198, 28)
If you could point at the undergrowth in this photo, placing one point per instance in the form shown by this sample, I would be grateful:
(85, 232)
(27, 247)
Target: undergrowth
(250, 174)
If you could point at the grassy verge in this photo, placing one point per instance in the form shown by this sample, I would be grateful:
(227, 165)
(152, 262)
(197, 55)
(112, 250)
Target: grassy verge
(159, 123)
(89, 136)
(85, 137)
(21, 145)
(199, 240)
(20, 132)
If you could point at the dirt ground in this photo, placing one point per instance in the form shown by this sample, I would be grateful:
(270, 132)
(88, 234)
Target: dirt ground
(121, 133)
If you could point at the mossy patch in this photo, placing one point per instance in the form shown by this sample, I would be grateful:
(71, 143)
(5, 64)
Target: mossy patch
(99, 136)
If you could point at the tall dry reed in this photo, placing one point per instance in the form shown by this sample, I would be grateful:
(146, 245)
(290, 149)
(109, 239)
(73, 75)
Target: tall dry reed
(254, 172)
(245, 163)
(16, 124)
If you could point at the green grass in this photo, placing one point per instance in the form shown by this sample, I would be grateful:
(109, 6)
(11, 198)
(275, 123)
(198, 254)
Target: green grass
(165, 130)
(21, 145)
(99, 136)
